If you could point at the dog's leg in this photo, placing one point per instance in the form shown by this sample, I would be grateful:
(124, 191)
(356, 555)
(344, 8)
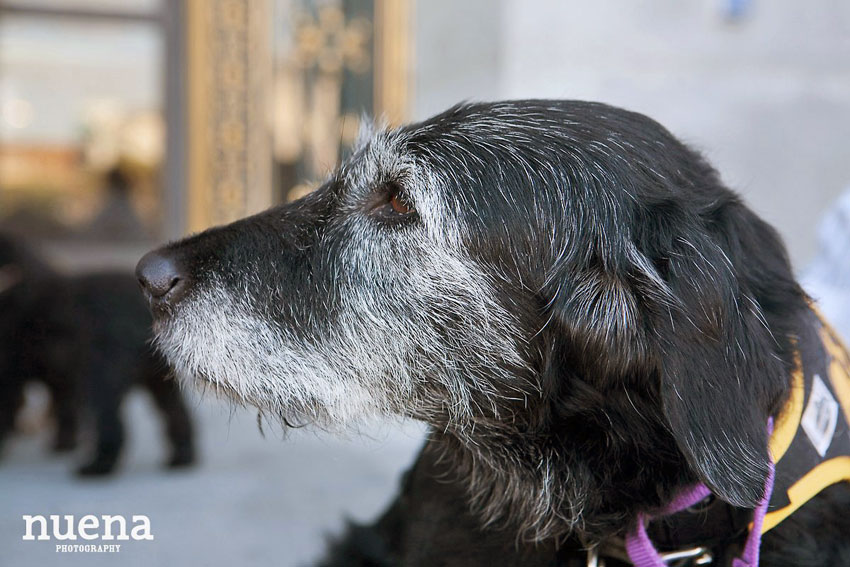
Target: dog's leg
(105, 393)
(110, 440)
(11, 400)
(169, 399)
(64, 405)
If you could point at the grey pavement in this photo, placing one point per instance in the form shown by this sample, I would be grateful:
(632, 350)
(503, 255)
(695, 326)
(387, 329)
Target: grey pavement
(253, 499)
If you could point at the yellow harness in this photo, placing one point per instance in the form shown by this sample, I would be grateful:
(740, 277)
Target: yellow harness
(812, 427)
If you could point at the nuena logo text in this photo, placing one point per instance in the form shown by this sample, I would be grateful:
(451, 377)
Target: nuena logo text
(88, 528)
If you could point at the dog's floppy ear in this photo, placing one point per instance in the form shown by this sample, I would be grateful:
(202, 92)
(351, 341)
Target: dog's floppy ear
(685, 312)
(718, 370)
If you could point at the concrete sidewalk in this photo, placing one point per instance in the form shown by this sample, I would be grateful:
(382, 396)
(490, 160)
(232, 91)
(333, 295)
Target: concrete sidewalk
(253, 500)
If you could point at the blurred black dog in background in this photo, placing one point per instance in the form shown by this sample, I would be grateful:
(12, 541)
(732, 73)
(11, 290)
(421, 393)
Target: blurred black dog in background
(86, 338)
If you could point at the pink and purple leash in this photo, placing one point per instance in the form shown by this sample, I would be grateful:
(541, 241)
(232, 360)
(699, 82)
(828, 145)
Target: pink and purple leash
(643, 553)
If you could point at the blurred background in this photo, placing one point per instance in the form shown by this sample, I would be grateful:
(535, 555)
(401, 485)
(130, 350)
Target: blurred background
(126, 123)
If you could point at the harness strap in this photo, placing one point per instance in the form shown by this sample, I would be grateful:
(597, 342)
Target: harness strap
(709, 523)
(750, 557)
(638, 545)
(642, 552)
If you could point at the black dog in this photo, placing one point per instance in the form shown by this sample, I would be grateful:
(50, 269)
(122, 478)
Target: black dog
(592, 323)
(87, 339)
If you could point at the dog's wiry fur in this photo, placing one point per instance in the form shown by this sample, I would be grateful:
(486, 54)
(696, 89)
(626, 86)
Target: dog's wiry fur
(588, 318)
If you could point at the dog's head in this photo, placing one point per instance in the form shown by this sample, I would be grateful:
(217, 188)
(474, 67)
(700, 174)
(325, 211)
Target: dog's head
(483, 267)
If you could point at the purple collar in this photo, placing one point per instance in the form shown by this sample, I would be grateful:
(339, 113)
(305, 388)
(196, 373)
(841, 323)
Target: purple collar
(643, 553)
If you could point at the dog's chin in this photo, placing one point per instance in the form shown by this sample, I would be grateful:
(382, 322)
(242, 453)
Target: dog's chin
(290, 413)
(221, 389)
(227, 352)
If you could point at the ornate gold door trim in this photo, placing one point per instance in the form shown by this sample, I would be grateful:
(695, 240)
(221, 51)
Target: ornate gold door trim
(229, 88)
(229, 65)
(393, 56)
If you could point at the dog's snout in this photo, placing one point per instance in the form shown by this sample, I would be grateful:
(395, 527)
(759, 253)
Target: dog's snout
(161, 277)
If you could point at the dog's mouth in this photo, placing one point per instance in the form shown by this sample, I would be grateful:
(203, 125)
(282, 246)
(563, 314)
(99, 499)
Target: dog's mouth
(162, 311)
(161, 320)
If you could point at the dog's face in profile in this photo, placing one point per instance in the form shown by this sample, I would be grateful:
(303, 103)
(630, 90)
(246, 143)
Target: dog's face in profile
(361, 299)
(560, 272)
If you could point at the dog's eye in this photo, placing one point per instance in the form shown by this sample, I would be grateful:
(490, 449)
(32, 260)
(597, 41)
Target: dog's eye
(400, 206)
(391, 204)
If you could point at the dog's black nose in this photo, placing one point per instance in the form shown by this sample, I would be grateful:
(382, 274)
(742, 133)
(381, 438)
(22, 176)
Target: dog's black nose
(161, 277)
